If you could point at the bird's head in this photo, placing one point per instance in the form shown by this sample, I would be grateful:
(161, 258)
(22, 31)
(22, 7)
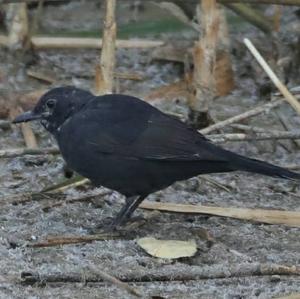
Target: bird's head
(55, 107)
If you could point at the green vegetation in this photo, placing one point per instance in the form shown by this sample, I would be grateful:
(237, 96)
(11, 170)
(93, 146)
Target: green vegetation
(133, 29)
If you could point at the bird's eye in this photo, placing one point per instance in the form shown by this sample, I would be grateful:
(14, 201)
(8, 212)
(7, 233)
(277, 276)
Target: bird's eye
(51, 103)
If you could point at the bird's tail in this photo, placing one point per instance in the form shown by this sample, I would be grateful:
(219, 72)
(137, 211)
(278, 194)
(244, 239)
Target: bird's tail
(257, 166)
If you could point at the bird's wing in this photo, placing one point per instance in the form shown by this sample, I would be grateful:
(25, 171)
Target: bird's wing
(166, 138)
(136, 130)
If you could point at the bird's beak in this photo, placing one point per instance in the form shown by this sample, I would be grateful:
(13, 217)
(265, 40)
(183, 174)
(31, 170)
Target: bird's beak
(27, 116)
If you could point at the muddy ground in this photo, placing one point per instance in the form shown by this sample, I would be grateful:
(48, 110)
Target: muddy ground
(223, 243)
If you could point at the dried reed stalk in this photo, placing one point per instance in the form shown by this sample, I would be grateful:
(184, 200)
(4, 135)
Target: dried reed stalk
(105, 70)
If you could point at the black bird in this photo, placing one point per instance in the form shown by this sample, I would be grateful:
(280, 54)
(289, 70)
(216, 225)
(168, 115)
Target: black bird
(125, 144)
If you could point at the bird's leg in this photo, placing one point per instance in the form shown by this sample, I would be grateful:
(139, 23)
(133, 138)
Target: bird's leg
(131, 203)
(130, 206)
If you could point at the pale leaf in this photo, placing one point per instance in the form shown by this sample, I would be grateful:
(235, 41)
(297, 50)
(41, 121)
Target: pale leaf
(168, 249)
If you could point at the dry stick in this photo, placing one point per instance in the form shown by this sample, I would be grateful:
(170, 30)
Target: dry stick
(27, 278)
(287, 125)
(41, 76)
(33, 27)
(170, 273)
(39, 42)
(45, 42)
(28, 197)
(18, 33)
(129, 76)
(276, 18)
(29, 136)
(259, 215)
(18, 27)
(282, 88)
(39, 196)
(105, 76)
(215, 183)
(250, 128)
(221, 138)
(99, 80)
(125, 76)
(242, 116)
(178, 12)
(11, 153)
(66, 240)
(80, 182)
(253, 16)
(27, 132)
(118, 75)
(120, 284)
(224, 74)
(254, 129)
(204, 56)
